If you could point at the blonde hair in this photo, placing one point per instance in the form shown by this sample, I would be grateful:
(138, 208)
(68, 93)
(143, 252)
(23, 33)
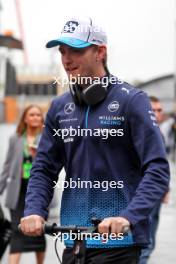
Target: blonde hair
(22, 126)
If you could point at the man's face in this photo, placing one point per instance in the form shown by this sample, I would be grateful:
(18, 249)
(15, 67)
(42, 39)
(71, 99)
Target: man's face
(80, 62)
(158, 110)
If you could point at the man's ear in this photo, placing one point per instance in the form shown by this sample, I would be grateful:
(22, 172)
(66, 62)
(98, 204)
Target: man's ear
(101, 54)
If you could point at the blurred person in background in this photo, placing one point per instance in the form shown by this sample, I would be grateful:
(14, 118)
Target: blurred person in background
(159, 114)
(157, 109)
(167, 131)
(174, 136)
(170, 127)
(15, 176)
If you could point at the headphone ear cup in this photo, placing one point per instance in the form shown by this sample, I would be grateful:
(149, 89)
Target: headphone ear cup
(76, 94)
(94, 94)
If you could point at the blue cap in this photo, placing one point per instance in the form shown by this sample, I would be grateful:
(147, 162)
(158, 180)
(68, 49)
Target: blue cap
(72, 42)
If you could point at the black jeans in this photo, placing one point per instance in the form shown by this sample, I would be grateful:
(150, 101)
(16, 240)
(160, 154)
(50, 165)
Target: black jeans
(125, 255)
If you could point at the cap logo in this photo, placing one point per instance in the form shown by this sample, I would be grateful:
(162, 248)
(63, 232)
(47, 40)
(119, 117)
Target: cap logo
(70, 26)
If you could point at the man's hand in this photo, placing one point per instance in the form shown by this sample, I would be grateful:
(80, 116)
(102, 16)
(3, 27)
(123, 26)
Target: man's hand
(32, 225)
(113, 225)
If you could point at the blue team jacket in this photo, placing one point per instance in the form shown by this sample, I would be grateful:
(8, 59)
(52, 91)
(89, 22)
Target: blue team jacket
(135, 156)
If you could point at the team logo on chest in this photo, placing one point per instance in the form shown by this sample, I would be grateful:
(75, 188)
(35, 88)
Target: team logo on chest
(114, 106)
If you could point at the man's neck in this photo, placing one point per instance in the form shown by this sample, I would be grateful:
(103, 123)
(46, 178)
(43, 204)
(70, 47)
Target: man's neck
(95, 77)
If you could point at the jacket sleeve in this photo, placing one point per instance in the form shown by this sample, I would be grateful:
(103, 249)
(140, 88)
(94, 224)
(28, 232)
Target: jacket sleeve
(6, 167)
(149, 146)
(46, 167)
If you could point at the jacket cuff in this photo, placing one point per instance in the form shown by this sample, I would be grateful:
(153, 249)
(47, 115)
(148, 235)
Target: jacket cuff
(41, 213)
(130, 217)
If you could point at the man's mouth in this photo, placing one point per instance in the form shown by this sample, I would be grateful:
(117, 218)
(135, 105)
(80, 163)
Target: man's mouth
(71, 69)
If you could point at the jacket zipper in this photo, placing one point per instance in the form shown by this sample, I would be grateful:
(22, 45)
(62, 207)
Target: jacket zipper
(87, 115)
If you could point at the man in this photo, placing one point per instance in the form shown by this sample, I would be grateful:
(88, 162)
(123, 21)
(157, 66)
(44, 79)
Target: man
(157, 109)
(145, 254)
(122, 147)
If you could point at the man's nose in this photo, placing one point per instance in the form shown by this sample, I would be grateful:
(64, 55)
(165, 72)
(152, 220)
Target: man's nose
(67, 58)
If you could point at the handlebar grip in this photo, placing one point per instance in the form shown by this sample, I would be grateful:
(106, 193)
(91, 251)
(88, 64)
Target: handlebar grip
(49, 229)
(95, 221)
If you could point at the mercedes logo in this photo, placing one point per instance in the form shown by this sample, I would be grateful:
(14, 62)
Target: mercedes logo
(69, 108)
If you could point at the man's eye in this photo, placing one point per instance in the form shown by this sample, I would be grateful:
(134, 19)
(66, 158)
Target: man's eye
(61, 52)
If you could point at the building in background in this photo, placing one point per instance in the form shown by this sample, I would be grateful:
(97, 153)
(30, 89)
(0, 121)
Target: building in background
(19, 88)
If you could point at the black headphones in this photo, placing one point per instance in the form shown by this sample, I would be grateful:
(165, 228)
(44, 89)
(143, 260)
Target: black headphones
(91, 95)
